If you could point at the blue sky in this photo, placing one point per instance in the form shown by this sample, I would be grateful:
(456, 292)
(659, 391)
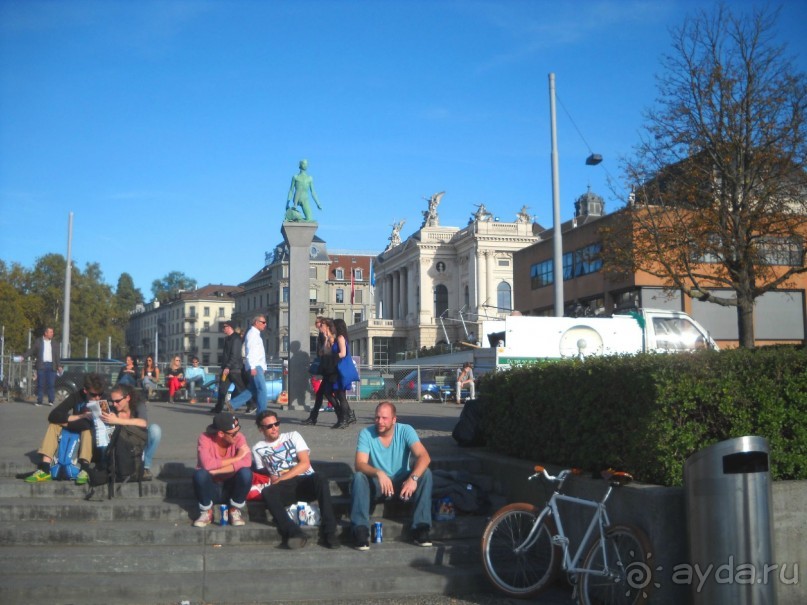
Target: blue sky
(172, 129)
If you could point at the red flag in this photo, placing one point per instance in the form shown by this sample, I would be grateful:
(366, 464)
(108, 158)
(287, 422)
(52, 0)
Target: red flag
(352, 286)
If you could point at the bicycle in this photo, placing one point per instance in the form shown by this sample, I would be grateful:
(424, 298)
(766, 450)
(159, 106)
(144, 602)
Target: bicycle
(523, 549)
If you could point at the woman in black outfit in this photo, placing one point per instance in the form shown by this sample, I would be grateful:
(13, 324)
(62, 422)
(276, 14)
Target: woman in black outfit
(341, 349)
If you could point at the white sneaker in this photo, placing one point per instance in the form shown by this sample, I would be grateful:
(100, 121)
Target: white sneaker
(235, 517)
(205, 518)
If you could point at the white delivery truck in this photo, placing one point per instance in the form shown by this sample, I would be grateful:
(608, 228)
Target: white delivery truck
(520, 339)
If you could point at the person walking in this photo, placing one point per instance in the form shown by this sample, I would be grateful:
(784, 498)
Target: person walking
(255, 363)
(232, 364)
(45, 353)
(327, 369)
(340, 349)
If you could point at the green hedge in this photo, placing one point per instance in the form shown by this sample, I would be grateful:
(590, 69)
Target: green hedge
(647, 414)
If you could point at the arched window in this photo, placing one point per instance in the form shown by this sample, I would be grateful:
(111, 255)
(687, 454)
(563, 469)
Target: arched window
(440, 300)
(503, 297)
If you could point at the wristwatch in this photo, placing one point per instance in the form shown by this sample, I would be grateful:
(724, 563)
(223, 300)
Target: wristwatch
(414, 478)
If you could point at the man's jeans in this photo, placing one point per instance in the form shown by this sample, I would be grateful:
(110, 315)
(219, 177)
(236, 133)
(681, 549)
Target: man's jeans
(46, 380)
(155, 434)
(366, 491)
(256, 390)
(233, 490)
(192, 382)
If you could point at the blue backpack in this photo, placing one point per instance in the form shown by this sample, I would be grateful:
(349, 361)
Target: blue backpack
(64, 467)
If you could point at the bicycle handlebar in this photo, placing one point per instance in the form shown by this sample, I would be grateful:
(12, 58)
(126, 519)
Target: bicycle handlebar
(616, 478)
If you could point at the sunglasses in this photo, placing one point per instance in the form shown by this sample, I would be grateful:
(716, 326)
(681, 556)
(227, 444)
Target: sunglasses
(261, 321)
(95, 395)
(234, 432)
(271, 425)
(117, 401)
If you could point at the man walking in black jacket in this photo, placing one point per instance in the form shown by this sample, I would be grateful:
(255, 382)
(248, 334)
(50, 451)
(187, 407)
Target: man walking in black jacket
(231, 365)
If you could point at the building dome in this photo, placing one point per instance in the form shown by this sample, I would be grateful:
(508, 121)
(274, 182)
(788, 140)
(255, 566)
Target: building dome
(589, 204)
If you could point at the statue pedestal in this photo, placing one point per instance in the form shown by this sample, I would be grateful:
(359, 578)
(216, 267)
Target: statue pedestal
(298, 237)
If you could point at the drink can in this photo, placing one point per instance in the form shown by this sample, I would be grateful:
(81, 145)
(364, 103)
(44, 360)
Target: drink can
(223, 509)
(302, 518)
(378, 532)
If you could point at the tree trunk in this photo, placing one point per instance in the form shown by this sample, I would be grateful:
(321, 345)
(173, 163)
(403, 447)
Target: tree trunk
(745, 321)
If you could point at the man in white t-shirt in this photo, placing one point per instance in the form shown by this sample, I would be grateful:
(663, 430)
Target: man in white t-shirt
(285, 459)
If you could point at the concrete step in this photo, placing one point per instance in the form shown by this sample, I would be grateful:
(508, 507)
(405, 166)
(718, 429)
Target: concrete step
(165, 532)
(207, 573)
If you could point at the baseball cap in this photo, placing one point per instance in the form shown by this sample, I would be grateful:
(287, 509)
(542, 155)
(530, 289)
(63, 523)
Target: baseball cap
(223, 421)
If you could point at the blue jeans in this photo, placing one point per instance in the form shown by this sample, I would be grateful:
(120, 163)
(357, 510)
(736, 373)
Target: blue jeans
(233, 490)
(46, 379)
(255, 390)
(155, 434)
(192, 382)
(366, 491)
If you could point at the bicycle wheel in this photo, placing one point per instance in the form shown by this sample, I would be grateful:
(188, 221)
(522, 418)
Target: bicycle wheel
(628, 577)
(522, 574)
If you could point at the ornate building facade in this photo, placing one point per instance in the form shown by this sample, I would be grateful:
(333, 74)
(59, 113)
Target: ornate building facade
(438, 284)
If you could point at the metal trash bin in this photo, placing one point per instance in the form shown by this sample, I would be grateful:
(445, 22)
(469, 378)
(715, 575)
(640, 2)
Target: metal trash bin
(729, 512)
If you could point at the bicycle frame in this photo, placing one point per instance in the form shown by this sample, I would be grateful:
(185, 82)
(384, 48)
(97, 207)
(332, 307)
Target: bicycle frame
(599, 522)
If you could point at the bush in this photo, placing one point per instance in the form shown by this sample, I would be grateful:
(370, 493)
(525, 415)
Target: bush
(646, 414)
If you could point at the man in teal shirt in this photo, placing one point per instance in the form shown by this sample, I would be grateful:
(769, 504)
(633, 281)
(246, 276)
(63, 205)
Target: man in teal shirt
(383, 457)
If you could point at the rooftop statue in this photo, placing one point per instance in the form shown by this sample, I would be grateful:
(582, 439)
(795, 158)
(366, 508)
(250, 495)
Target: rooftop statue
(395, 236)
(430, 218)
(301, 184)
(481, 214)
(523, 216)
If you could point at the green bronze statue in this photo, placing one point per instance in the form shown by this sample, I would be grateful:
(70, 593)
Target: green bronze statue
(301, 184)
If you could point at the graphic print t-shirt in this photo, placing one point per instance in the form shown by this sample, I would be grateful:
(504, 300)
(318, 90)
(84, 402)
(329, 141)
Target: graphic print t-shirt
(280, 456)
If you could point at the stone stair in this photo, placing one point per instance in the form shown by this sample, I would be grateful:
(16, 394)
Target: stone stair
(57, 547)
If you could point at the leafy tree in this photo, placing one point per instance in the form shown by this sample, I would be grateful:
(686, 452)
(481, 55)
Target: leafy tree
(93, 314)
(171, 285)
(719, 209)
(14, 318)
(128, 297)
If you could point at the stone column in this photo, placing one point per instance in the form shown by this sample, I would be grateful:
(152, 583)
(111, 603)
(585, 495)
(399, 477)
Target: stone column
(298, 236)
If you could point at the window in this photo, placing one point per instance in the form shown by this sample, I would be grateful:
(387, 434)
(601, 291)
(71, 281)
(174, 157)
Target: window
(312, 295)
(192, 311)
(207, 312)
(542, 274)
(467, 296)
(285, 294)
(503, 298)
(205, 359)
(284, 343)
(440, 300)
(340, 295)
(504, 262)
(357, 317)
(568, 265)
(339, 274)
(358, 274)
(221, 311)
(312, 272)
(781, 251)
(206, 326)
(206, 342)
(357, 297)
(587, 260)
(221, 343)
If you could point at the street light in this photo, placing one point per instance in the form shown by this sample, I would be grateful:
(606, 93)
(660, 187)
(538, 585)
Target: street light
(557, 238)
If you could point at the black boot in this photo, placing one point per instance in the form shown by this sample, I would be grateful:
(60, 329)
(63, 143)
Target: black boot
(310, 421)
